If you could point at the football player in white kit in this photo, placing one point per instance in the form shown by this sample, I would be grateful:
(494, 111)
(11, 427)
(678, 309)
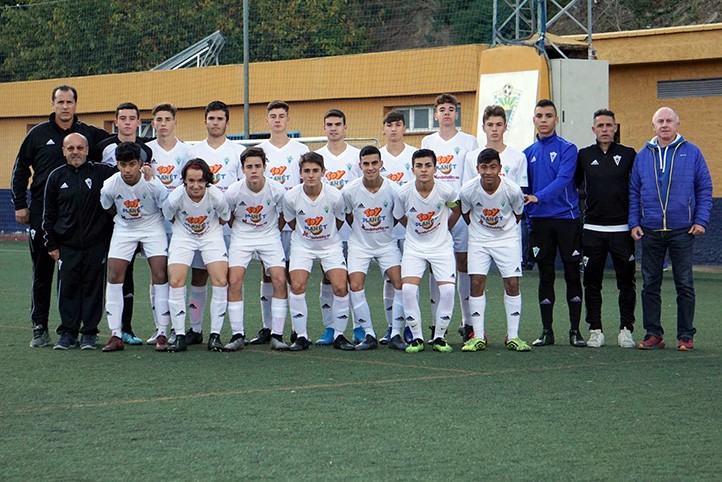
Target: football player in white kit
(197, 212)
(429, 210)
(315, 211)
(370, 202)
(451, 146)
(224, 160)
(492, 207)
(138, 220)
(169, 156)
(341, 162)
(256, 204)
(396, 157)
(282, 155)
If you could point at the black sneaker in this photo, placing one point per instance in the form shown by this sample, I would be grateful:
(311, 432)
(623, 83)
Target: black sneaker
(214, 342)
(66, 342)
(179, 344)
(263, 338)
(194, 337)
(277, 343)
(546, 338)
(293, 337)
(396, 343)
(341, 343)
(369, 343)
(575, 339)
(237, 343)
(41, 337)
(300, 344)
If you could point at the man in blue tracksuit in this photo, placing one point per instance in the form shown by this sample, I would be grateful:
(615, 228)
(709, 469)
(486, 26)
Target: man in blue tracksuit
(670, 199)
(553, 208)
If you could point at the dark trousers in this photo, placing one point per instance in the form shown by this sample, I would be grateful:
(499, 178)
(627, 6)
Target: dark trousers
(596, 246)
(129, 295)
(655, 245)
(82, 287)
(43, 270)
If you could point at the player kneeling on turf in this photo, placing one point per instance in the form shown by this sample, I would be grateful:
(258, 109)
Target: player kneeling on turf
(370, 202)
(256, 205)
(138, 219)
(492, 206)
(197, 212)
(315, 212)
(429, 209)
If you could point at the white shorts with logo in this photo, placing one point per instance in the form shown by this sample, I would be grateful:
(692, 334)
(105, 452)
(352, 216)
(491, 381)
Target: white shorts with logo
(460, 233)
(443, 264)
(505, 256)
(125, 241)
(184, 249)
(330, 258)
(269, 250)
(359, 257)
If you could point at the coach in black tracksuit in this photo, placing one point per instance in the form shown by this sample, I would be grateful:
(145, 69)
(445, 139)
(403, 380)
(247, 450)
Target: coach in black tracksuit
(603, 171)
(39, 155)
(77, 234)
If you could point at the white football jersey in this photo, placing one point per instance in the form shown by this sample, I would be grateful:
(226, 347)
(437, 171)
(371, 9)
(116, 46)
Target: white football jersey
(450, 156)
(492, 216)
(342, 169)
(138, 206)
(282, 164)
(225, 162)
(255, 214)
(513, 165)
(200, 218)
(315, 220)
(373, 213)
(168, 165)
(398, 168)
(427, 225)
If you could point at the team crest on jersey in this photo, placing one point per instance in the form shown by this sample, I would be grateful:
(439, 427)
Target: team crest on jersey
(372, 216)
(457, 149)
(255, 213)
(335, 178)
(386, 204)
(552, 156)
(395, 176)
(178, 161)
(89, 183)
(348, 167)
(132, 208)
(508, 97)
(165, 174)
(617, 158)
(506, 170)
(503, 203)
(491, 216)
(314, 226)
(438, 206)
(226, 160)
(197, 224)
(278, 174)
(426, 220)
(533, 159)
(443, 163)
(325, 208)
(289, 159)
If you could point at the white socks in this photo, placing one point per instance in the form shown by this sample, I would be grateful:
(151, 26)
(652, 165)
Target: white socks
(299, 313)
(161, 312)
(279, 307)
(114, 308)
(177, 306)
(235, 316)
(411, 309)
(512, 306)
(361, 311)
(477, 306)
(266, 310)
(197, 307)
(445, 309)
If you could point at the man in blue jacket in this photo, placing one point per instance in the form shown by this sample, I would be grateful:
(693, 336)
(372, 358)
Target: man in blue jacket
(553, 208)
(670, 199)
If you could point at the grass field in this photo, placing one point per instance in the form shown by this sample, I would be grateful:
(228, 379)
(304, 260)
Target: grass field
(555, 413)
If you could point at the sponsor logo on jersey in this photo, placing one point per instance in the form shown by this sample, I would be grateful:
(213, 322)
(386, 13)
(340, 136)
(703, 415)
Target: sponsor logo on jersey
(132, 207)
(336, 178)
(372, 217)
(217, 176)
(395, 176)
(426, 220)
(314, 226)
(254, 213)
(197, 224)
(443, 163)
(165, 174)
(491, 216)
(277, 174)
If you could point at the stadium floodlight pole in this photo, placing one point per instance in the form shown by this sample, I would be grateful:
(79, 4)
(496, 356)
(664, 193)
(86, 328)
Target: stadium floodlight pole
(246, 105)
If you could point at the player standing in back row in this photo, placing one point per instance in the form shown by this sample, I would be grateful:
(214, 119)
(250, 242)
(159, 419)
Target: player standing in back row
(451, 147)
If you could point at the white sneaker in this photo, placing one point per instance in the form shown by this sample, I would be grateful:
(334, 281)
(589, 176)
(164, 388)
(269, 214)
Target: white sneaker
(596, 339)
(152, 339)
(625, 338)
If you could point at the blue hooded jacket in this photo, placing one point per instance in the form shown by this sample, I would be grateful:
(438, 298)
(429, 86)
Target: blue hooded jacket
(670, 187)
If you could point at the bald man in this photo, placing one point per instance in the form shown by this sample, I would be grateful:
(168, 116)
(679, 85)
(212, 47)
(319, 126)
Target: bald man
(670, 199)
(77, 234)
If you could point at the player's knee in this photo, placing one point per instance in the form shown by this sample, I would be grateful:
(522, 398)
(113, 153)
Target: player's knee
(340, 290)
(511, 286)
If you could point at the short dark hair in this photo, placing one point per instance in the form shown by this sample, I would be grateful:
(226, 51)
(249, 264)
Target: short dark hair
(201, 165)
(127, 106)
(423, 153)
(217, 105)
(64, 88)
(603, 112)
(253, 152)
(277, 104)
(494, 111)
(488, 155)
(369, 151)
(446, 99)
(127, 151)
(546, 103)
(164, 107)
(394, 116)
(313, 158)
(335, 113)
